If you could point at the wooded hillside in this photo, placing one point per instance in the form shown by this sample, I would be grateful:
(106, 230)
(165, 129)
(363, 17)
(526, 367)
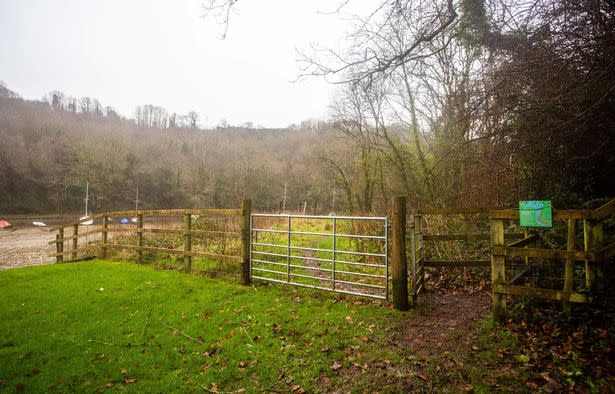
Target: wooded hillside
(502, 102)
(47, 155)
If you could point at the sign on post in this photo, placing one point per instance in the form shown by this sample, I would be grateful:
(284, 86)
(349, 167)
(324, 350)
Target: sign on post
(535, 214)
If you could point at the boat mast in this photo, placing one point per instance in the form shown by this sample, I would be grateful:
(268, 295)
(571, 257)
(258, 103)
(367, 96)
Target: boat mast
(137, 201)
(87, 196)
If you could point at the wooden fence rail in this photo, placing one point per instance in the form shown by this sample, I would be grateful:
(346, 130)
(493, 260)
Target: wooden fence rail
(185, 232)
(523, 245)
(593, 255)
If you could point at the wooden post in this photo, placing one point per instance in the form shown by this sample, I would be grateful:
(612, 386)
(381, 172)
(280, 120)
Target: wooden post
(58, 259)
(399, 265)
(498, 271)
(104, 233)
(420, 253)
(588, 244)
(592, 240)
(413, 279)
(61, 245)
(187, 242)
(569, 270)
(526, 234)
(246, 212)
(140, 238)
(73, 252)
(597, 244)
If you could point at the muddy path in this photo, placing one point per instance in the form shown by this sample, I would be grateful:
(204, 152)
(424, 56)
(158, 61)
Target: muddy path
(21, 247)
(24, 244)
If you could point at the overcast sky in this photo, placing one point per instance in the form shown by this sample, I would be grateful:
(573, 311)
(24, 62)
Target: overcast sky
(129, 53)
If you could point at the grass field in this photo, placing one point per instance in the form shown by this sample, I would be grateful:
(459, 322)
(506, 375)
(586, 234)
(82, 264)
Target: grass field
(107, 326)
(100, 325)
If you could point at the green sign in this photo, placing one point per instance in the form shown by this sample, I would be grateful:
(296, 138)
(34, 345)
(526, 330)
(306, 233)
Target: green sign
(535, 214)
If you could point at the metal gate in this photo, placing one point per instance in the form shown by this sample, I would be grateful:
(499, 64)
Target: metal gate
(345, 254)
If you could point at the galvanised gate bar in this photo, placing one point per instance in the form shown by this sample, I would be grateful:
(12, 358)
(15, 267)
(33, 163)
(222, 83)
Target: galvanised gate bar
(348, 256)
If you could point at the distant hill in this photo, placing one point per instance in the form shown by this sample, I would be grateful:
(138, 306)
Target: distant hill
(49, 151)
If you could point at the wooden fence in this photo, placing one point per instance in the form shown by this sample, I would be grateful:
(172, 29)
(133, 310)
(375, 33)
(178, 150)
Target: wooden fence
(594, 254)
(420, 239)
(523, 245)
(186, 232)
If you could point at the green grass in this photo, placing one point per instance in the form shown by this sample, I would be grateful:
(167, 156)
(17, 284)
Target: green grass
(100, 325)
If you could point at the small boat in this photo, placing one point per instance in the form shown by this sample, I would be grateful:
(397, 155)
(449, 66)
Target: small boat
(39, 224)
(124, 221)
(134, 220)
(86, 221)
(4, 224)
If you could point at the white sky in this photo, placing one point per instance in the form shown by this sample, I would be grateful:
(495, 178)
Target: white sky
(129, 53)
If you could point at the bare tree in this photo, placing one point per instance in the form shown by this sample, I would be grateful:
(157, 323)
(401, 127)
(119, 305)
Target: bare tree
(85, 105)
(193, 119)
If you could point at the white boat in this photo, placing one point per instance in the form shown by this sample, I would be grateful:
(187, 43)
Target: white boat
(39, 224)
(86, 221)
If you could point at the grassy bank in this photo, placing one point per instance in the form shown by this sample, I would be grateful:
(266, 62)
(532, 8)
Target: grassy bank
(98, 325)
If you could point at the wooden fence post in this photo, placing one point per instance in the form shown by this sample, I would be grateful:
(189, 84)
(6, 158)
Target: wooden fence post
(592, 240)
(140, 237)
(597, 243)
(187, 242)
(246, 212)
(413, 254)
(569, 269)
(399, 264)
(419, 255)
(104, 232)
(498, 272)
(58, 248)
(61, 245)
(73, 254)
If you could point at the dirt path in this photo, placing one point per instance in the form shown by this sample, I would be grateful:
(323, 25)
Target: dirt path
(442, 321)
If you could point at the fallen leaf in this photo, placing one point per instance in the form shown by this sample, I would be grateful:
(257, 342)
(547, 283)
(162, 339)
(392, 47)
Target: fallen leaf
(123, 371)
(336, 366)
(109, 385)
(130, 380)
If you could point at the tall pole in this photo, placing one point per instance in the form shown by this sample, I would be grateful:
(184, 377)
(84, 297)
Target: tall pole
(87, 197)
(137, 200)
(284, 199)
